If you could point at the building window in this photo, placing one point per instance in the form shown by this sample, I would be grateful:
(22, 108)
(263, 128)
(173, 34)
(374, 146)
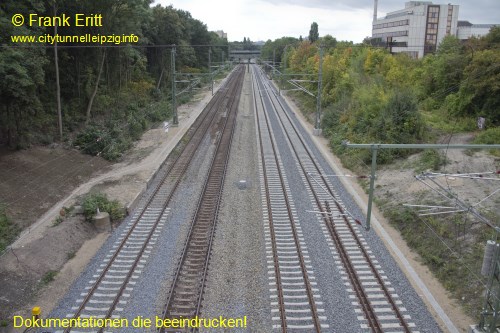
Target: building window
(432, 28)
(390, 24)
(384, 35)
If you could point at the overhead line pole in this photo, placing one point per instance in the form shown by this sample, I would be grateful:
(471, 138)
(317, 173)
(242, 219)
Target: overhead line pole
(210, 68)
(317, 124)
(174, 102)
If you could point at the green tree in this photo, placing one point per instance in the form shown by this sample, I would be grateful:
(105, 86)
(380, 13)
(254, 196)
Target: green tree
(313, 32)
(22, 72)
(449, 67)
(479, 93)
(400, 120)
(328, 42)
(492, 39)
(443, 72)
(278, 46)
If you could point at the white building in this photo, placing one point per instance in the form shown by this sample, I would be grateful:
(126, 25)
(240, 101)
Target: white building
(221, 34)
(467, 30)
(417, 29)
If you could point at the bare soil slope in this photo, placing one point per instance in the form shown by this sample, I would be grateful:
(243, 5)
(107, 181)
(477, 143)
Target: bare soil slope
(33, 180)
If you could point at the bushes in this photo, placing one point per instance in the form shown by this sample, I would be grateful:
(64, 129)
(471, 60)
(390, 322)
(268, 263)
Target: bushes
(456, 272)
(111, 138)
(489, 137)
(431, 159)
(373, 115)
(8, 230)
(99, 200)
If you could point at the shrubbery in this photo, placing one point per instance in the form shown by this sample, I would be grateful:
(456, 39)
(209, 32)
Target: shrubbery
(372, 96)
(488, 137)
(99, 200)
(111, 138)
(8, 230)
(491, 136)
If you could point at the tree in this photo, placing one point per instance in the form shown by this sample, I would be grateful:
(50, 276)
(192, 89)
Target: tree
(106, 87)
(278, 47)
(248, 44)
(328, 42)
(492, 39)
(165, 28)
(479, 93)
(22, 72)
(122, 16)
(400, 120)
(313, 33)
(58, 86)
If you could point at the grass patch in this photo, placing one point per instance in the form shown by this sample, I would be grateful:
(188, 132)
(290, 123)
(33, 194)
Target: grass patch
(490, 136)
(57, 221)
(441, 121)
(8, 230)
(457, 273)
(70, 255)
(48, 277)
(430, 159)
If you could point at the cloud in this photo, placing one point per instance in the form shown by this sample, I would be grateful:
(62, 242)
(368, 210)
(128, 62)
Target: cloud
(343, 19)
(326, 4)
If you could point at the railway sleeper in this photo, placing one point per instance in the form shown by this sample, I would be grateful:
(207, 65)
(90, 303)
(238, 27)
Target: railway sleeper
(184, 302)
(197, 252)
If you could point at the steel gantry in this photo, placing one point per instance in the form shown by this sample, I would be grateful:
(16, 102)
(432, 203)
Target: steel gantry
(191, 78)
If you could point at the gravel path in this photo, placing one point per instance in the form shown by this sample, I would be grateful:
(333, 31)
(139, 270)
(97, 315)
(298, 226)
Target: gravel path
(237, 283)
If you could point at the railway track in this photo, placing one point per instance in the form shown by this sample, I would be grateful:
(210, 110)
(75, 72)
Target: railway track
(186, 291)
(377, 305)
(295, 300)
(108, 291)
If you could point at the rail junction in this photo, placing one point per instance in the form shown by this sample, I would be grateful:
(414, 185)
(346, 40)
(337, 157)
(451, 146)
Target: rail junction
(281, 248)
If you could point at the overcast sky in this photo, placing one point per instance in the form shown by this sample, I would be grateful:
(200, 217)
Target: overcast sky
(343, 19)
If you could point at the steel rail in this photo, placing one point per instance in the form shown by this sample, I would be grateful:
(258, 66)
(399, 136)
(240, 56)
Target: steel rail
(193, 260)
(178, 165)
(307, 283)
(371, 316)
(344, 256)
(281, 301)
